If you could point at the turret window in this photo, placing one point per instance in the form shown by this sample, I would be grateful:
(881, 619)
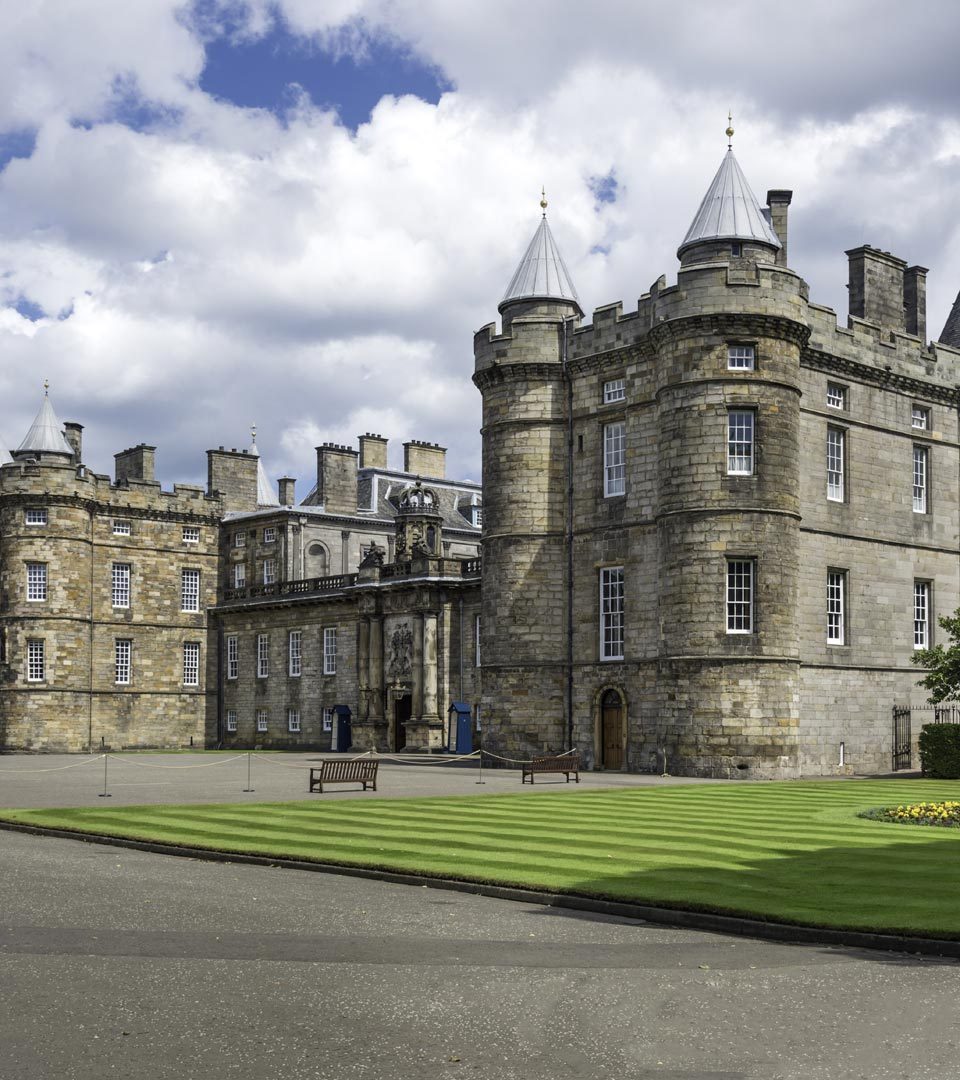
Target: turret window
(740, 596)
(611, 613)
(614, 390)
(614, 459)
(36, 581)
(740, 357)
(836, 451)
(37, 515)
(36, 660)
(121, 528)
(740, 425)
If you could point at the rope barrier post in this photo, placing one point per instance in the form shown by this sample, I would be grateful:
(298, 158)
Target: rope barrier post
(481, 780)
(248, 787)
(105, 794)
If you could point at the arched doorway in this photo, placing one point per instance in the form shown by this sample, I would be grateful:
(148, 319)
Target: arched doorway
(612, 729)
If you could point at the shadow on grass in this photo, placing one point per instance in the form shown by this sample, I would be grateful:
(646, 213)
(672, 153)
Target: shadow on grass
(909, 888)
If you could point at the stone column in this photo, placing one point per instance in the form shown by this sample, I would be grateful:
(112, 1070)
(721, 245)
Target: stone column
(345, 551)
(375, 677)
(363, 666)
(430, 667)
(417, 664)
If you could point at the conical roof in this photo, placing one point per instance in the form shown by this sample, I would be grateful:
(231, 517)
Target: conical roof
(951, 329)
(266, 496)
(729, 211)
(5, 455)
(542, 273)
(46, 432)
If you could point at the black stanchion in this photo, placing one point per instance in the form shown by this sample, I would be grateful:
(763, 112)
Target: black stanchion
(248, 787)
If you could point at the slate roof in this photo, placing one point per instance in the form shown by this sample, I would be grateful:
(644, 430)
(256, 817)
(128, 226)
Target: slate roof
(950, 334)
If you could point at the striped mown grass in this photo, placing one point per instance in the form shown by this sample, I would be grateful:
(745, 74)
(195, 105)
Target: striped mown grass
(792, 852)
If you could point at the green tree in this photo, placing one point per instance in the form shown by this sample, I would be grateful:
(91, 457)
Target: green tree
(943, 677)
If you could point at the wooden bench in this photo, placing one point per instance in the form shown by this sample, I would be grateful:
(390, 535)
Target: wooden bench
(567, 764)
(343, 771)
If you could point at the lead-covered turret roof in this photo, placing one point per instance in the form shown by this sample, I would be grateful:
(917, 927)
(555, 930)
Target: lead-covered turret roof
(729, 211)
(46, 432)
(542, 273)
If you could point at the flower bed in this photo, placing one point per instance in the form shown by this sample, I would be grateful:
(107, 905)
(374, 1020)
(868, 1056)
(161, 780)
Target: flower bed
(944, 814)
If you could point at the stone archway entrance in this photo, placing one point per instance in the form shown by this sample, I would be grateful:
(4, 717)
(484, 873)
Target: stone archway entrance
(613, 728)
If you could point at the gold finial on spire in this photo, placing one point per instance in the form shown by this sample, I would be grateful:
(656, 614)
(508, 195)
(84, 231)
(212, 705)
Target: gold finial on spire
(543, 201)
(729, 131)
(253, 432)
(46, 386)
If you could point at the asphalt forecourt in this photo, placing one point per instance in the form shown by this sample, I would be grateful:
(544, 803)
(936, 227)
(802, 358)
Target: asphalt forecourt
(792, 852)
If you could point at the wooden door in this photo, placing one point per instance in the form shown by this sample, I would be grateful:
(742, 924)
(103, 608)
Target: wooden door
(401, 714)
(611, 729)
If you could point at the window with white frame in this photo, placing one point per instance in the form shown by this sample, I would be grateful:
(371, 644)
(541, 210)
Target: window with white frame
(836, 606)
(189, 590)
(231, 719)
(233, 656)
(614, 459)
(921, 614)
(269, 571)
(740, 424)
(836, 452)
(740, 574)
(122, 650)
(476, 640)
(240, 575)
(240, 539)
(921, 470)
(120, 585)
(740, 357)
(270, 535)
(614, 390)
(36, 660)
(611, 613)
(836, 396)
(191, 663)
(261, 720)
(293, 720)
(294, 646)
(329, 650)
(478, 515)
(121, 528)
(328, 719)
(263, 655)
(36, 581)
(920, 418)
(35, 515)
(191, 534)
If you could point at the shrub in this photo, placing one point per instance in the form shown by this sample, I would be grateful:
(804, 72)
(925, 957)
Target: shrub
(940, 751)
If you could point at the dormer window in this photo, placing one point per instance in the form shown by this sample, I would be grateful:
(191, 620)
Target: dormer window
(478, 516)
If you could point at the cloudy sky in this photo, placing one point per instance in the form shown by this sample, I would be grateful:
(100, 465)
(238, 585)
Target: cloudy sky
(297, 212)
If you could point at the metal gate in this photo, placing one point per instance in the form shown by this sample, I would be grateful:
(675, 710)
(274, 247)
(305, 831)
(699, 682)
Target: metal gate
(901, 737)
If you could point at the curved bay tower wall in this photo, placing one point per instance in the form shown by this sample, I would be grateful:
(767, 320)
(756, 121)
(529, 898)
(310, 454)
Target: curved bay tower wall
(523, 626)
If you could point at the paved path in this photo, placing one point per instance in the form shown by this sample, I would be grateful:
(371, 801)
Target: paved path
(133, 779)
(117, 963)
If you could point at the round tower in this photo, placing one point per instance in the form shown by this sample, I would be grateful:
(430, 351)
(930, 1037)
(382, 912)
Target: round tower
(521, 375)
(727, 347)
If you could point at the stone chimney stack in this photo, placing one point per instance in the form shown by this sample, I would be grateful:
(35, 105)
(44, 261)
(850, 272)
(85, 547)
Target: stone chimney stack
(73, 433)
(136, 463)
(373, 451)
(337, 478)
(778, 203)
(915, 301)
(876, 284)
(425, 459)
(286, 485)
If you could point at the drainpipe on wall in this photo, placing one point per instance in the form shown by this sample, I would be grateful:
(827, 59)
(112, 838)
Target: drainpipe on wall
(569, 539)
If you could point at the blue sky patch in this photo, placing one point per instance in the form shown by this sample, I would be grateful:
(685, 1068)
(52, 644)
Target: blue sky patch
(29, 310)
(16, 144)
(258, 74)
(604, 188)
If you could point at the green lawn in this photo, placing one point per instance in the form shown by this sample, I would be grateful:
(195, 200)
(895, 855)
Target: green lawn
(793, 852)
